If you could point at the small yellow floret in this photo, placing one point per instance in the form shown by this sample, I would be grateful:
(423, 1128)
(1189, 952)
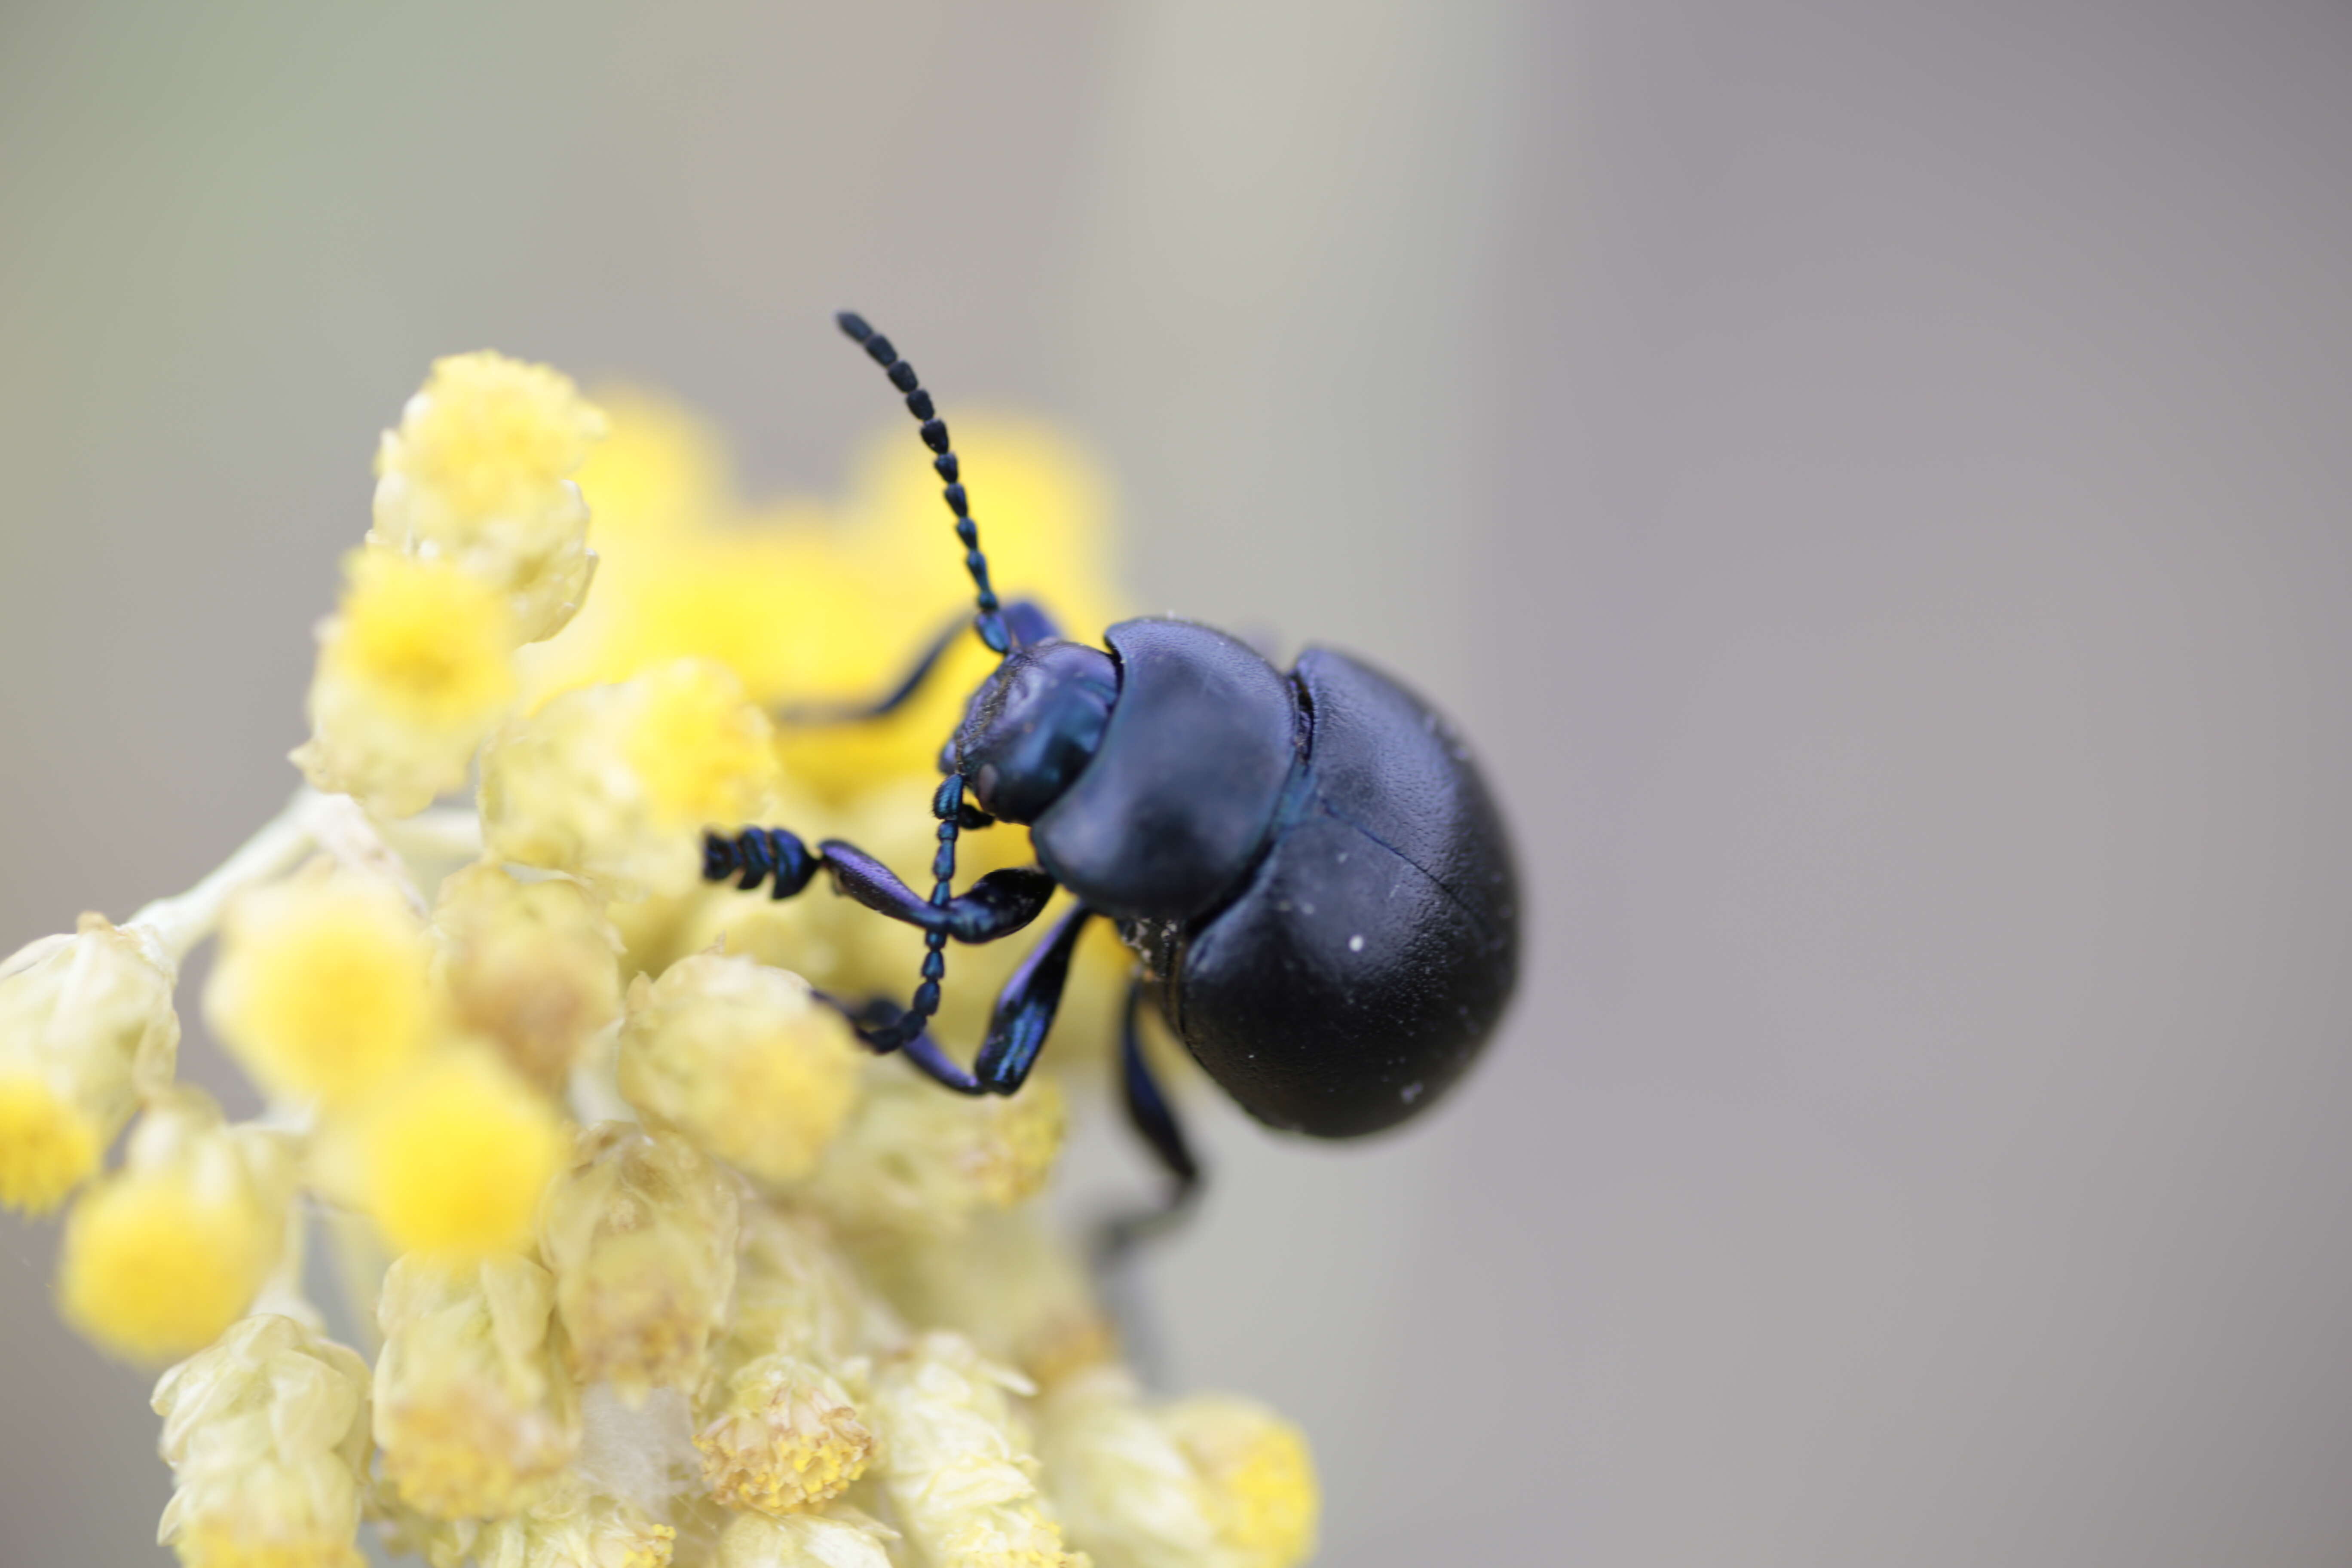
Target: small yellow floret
(47, 1146)
(955, 1461)
(477, 474)
(842, 1539)
(614, 783)
(425, 641)
(742, 1060)
(533, 966)
(454, 1157)
(152, 1270)
(785, 1437)
(914, 1162)
(320, 987)
(488, 434)
(1259, 1473)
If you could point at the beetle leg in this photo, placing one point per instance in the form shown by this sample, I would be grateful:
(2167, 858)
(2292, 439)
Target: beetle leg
(1024, 619)
(997, 905)
(1024, 1010)
(1148, 1111)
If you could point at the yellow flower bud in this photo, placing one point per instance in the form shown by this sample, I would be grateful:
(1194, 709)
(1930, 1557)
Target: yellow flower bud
(473, 1412)
(266, 1435)
(1009, 1282)
(479, 474)
(576, 1527)
(453, 1156)
(160, 1259)
(740, 1058)
(413, 671)
(1121, 1485)
(641, 1235)
(796, 1291)
(955, 1459)
(85, 1026)
(917, 1161)
(614, 783)
(321, 985)
(842, 1539)
(532, 966)
(1260, 1477)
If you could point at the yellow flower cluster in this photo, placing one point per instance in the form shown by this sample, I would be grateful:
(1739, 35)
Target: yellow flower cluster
(657, 1264)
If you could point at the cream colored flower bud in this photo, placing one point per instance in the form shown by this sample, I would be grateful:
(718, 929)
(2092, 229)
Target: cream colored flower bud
(474, 1413)
(86, 1028)
(576, 1527)
(1259, 1476)
(163, 1255)
(795, 1291)
(840, 1539)
(532, 966)
(782, 1435)
(1121, 1485)
(742, 1060)
(914, 1161)
(641, 1235)
(1009, 1281)
(479, 474)
(414, 669)
(616, 783)
(955, 1462)
(266, 1435)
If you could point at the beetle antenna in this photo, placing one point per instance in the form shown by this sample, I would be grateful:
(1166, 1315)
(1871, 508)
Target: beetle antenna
(989, 623)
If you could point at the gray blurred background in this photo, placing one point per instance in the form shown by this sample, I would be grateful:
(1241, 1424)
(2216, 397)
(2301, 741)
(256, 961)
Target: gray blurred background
(1870, 475)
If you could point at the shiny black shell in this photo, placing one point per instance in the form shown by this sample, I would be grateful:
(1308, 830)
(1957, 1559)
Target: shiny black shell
(1311, 866)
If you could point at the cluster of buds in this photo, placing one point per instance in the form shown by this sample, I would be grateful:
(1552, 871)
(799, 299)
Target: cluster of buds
(652, 1262)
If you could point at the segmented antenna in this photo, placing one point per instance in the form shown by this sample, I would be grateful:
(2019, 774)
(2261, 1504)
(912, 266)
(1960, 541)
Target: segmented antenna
(990, 624)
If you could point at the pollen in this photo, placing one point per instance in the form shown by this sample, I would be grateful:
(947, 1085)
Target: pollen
(320, 987)
(784, 1438)
(455, 1155)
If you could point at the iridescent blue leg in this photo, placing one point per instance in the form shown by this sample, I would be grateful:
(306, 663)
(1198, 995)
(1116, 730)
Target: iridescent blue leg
(1024, 1010)
(1148, 1111)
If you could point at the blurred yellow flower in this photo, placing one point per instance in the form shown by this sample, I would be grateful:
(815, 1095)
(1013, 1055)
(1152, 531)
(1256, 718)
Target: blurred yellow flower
(533, 967)
(454, 1154)
(412, 670)
(319, 989)
(479, 474)
(161, 1257)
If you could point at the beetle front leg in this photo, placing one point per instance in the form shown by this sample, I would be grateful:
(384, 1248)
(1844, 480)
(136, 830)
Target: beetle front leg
(1024, 1010)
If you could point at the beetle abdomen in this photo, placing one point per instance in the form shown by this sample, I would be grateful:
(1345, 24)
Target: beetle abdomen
(1374, 948)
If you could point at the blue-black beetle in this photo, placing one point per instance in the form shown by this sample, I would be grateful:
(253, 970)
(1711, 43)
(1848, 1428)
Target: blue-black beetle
(1310, 870)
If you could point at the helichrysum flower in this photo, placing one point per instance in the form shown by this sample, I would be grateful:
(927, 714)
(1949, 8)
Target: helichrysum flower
(453, 1154)
(85, 1026)
(742, 1060)
(1259, 1475)
(1008, 1281)
(845, 1539)
(614, 783)
(576, 1527)
(531, 966)
(320, 986)
(778, 1428)
(474, 1413)
(1210, 1482)
(479, 474)
(414, 669)
(163, 1256)
(266, 1435)
(914, 1160)
(955, 1459)
(640, 1234)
